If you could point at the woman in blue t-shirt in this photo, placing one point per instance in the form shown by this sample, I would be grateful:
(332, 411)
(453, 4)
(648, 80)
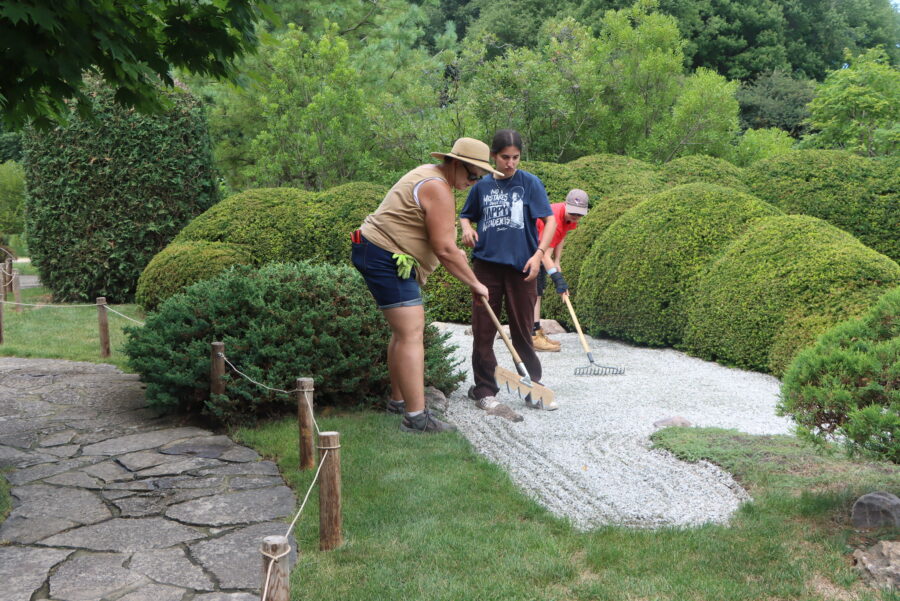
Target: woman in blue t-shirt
(506, 258)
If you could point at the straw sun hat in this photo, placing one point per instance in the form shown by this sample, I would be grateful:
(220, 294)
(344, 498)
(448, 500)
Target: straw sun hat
(471, 151)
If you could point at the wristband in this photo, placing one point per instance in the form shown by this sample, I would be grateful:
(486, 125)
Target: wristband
(552, 270)
(540, 249)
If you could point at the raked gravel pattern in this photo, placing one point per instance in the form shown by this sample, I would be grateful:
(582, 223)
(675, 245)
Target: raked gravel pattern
(590, 461)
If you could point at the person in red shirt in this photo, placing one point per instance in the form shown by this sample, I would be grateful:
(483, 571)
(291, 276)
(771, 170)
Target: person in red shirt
(567, 215)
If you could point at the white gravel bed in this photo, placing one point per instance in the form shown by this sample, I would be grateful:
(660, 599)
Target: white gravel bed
(590, 461)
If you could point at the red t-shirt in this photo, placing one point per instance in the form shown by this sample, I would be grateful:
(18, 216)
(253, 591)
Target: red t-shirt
(562, 228)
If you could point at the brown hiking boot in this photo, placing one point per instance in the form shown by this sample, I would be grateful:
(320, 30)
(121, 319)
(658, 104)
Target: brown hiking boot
(542, 343)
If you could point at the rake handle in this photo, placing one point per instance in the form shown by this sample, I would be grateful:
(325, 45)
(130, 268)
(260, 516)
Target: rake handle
(584, 343)
(518, 360)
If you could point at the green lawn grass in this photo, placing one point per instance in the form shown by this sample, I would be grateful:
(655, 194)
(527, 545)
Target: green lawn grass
(63, 333)
(425, 518)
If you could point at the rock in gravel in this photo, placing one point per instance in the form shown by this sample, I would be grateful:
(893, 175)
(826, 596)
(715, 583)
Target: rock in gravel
(436, 400)
(880, 564)
(676, 420)
(876, 510)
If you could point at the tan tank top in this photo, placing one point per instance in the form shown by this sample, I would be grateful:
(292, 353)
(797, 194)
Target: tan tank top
(398, 224)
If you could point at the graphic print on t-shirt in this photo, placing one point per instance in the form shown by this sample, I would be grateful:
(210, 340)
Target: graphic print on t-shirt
(503, 209)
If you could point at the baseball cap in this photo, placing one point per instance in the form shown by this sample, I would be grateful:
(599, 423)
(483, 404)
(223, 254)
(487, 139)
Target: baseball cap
(577, 202)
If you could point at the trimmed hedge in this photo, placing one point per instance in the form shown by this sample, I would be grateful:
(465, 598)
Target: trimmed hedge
(266, 221)
(847, 386)
(279, 322)
(106, 195)
(857, 194)
(558, 178)
(700, 168)
(786, 280)
(606, 175)
(634, 279)
(181, 264)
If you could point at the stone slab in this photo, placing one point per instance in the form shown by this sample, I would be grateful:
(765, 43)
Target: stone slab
(171, 566)
(182, 466)
(122, 534)
(93, 577)
(155, 592)
(229, 558)
(24, 569)
(210, 447)
(244, 507)
(22, 530)
(256, 468)
(140, 460)
(142, 441)
(58, 438)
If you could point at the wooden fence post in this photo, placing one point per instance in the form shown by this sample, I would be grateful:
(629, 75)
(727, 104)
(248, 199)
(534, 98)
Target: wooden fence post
(305, 422)
(17, 293)
(275, 586)
(330, 522)
(103, 322)
(217, 368)
(1, 323)
(7, 278)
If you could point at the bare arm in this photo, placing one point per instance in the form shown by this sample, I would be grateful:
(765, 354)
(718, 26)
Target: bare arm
(440, 220)
(557, 254)
(534, 263)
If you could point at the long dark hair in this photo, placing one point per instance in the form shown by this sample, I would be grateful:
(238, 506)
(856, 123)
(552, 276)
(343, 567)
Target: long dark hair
(504, 138)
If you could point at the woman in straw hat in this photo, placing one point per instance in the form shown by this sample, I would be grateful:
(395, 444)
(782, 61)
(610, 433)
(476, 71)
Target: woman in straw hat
(395, 250)
(507, 258)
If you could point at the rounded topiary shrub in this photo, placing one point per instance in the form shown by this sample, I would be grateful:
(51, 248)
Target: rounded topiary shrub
(633, 280)
(279, 322)
(700, 168)
(338, 212)
(847, 386)
(602, 175)
(267, 221)
(777, 287)
(181, 264)
(558, 178)
(105, 196)
(857, 194)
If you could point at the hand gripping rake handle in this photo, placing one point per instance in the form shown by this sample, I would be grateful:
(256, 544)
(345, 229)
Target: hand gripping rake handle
(520, 366)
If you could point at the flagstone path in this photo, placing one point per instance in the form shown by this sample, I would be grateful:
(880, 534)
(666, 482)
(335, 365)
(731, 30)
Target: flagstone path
(112, 503)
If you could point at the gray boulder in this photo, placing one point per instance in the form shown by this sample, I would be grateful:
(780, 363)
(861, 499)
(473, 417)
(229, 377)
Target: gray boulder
(876, 510)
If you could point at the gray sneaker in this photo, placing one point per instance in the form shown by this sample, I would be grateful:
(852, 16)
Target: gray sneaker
(425, 422)
(398, 407)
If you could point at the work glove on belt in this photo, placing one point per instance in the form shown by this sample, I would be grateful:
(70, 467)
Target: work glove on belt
(560, 282)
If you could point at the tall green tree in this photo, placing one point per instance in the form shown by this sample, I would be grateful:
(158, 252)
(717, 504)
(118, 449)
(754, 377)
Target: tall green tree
(776, 99)
(858, 108)
(47, 47)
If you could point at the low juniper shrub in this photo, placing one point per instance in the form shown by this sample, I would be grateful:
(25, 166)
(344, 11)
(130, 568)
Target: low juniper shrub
(280, 322)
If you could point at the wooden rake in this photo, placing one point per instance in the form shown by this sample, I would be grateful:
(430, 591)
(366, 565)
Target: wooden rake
(593, 369)
(535, 394)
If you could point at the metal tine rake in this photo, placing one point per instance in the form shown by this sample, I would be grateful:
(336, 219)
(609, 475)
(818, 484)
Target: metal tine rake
(593, 369)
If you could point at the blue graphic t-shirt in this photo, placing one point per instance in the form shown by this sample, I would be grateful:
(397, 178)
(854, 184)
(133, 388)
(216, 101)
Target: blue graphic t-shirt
(506, 210)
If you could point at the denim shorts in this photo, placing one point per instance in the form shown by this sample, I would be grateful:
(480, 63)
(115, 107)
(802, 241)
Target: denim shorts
(379, 271)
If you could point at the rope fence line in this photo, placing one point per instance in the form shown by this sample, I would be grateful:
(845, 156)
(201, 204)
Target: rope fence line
(275, 557)
(300, 388)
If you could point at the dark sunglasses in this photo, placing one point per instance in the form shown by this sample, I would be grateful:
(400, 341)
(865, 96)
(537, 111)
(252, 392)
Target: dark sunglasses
(472, 177)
